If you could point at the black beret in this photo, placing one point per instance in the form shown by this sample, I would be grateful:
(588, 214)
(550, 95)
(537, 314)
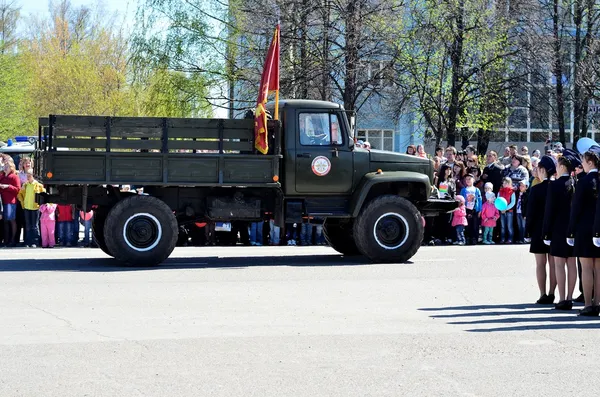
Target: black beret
(547, 163)
(572, 157)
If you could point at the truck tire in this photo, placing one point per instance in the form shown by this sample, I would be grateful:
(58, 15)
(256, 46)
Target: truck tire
(98, 229)
(141, 231)
(388, 229)
(340, 237)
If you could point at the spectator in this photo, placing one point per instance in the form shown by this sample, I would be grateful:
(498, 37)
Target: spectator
(437, 161)
(512, 150)
(524, 151)
(459, 221)
(506, 159)
(536, 153)
(9, 189)
(471, 151)
(493, 171)
(274, 234)
(411, 149)
(26, 197)
(473, 201)
(460, 156)
(522, 196)
(439, 152)
(534, 179)
(446, 184)
(367, 145)
(421, 151)
(86, 221)
(256, 233)
(306, 233)
(450, 154)
(25, 165)
(65, 225)
(516, 172)
(460, 172)
(489, 216)
(506, 217)
(48, 221)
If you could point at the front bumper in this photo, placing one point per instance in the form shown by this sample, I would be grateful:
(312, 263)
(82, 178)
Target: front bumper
(435, 206)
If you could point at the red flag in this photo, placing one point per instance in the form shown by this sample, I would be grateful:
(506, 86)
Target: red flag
(269, 82)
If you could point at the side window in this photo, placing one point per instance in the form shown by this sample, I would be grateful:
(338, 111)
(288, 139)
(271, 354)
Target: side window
(319, 129)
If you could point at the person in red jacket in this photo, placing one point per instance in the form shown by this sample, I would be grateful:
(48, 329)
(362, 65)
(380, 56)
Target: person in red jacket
(9, 188)
(64, 221)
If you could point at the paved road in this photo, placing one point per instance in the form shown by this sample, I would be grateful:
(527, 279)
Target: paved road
(287, 321)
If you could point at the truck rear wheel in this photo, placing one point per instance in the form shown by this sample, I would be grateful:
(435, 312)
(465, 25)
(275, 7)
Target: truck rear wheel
(141, 231)
(98, 229)
(389, 229)
(339, 237)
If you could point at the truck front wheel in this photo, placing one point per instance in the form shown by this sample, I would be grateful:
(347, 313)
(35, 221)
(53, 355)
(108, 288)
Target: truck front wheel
(388, 229)
(339, 237)
(141, 231)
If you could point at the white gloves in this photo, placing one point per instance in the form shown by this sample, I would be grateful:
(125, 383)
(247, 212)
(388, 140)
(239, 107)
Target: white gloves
(527, 240)
(597, 241)
(571, 242)
(547, 242)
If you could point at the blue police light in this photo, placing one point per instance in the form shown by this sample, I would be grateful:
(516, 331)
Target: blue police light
(9, 142)
(21, 139)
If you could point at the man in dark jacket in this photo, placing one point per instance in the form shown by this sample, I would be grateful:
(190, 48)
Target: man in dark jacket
(493, 171)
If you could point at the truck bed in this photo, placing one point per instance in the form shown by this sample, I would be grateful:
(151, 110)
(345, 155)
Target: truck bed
(93, 150)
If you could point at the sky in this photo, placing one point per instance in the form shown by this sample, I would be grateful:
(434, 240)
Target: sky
(41, 6)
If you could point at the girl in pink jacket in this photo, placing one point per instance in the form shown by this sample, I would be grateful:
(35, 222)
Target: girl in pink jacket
(48, 223)
(459, 221)
(489, 215)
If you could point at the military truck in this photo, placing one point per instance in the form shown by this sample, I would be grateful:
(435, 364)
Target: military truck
(192, 170)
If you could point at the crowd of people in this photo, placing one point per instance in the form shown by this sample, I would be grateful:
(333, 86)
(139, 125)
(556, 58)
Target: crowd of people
(548, 202)
(25, 222)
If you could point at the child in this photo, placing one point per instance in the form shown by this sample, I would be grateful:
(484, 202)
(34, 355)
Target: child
(26, 197)
(48, 221)
(459, 221)
(472, 196)
(488, 188)
(86, 221)
(506, 217)
(522, 196)
(489, 216)
(65, 225)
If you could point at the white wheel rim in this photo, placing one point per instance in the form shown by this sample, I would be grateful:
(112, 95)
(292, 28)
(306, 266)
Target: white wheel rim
(402, 219)
(158, 235)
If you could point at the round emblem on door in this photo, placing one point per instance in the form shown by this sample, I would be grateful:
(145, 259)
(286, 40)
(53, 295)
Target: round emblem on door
(321, 166)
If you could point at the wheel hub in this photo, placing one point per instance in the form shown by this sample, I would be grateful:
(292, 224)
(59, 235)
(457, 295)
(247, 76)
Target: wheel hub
(391, 231)
(142, 232)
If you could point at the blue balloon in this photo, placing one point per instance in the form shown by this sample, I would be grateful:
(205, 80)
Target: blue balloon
(501, 204)
(584, 144)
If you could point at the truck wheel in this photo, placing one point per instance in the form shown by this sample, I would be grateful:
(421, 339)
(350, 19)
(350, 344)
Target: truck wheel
(389, 229)
(339, 237)
(98, 229)
(141, 231)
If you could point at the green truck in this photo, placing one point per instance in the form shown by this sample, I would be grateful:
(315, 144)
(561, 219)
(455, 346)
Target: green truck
(192, 170)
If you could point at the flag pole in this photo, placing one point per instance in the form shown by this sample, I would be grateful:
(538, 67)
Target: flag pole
(276, 115)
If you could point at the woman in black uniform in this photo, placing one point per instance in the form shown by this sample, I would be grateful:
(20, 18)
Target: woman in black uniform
(581, 228)
(534, 223)
(556, 223)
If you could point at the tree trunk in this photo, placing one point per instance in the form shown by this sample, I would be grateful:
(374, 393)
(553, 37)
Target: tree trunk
(325, 95)
(351, 55)
(577, 94)
(304, 49)
(456, 60)
(483, 140)
(558, 73)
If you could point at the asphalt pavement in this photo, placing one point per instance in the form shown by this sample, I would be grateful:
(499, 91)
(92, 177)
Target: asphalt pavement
(287, 321)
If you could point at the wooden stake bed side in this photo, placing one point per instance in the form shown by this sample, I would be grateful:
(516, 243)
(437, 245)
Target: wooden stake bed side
(94, 150)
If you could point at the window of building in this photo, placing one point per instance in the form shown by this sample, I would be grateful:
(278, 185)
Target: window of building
(319, 129)
(379, 139)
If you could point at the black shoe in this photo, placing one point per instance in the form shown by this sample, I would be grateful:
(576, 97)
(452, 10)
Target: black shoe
(545, 300)
(564, 305)
(579, 299)
(589, 311)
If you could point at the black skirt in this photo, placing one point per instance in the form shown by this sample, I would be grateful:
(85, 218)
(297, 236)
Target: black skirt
(537, 246)
(560, 248)
(584, 245)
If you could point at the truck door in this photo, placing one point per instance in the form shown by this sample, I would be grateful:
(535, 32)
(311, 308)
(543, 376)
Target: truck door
(324, 162)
